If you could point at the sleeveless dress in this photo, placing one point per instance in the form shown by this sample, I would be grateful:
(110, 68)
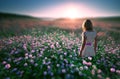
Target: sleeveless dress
(89, 46)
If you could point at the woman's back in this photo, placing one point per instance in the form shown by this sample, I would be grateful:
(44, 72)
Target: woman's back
(90, 36)
(89, 48)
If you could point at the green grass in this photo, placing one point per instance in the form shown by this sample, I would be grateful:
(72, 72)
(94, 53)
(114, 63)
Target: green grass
(53, 53)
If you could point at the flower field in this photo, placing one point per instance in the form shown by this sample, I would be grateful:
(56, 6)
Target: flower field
(52, 53)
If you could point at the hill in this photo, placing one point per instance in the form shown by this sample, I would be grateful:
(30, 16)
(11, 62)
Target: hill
(16, 16)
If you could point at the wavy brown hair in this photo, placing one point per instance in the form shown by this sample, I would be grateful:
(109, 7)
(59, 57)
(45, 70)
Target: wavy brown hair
(87, 25)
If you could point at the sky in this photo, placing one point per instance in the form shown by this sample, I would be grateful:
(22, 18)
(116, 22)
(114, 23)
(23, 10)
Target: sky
(62, 8)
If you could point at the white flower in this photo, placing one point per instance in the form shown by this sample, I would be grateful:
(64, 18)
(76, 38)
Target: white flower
(45, 73)
(44, 62)
(77, 69)
(72, 65)
(63, 71)
(81, 68)
(94, 66)
(36, 64)
(32, 61)
(99, 76)
(70, 56)
(85, 67)
(66, 60)
(45, 58)
(48, 67)
(65, 53)
(58, 65)
(90, 58)
(30, 55)
(26, 57)
(25, 64)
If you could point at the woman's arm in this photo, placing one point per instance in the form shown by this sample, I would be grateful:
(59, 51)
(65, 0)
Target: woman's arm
(83, 45)
(95, 44)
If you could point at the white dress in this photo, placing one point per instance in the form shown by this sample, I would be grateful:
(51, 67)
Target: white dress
(89, 46)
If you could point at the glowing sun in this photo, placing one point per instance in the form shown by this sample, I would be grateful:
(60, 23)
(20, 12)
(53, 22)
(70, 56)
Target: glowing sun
(72, 13)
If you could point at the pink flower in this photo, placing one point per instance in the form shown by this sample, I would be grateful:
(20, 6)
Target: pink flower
(87, 63)
(32, 51)
(93, 72)
(99, 76)
(99, 71)
(4, 62)
(118, 71)
(112, 69)
(30, 55)
(52, 46)
(7, 66)
(26, 54)
(107, 78)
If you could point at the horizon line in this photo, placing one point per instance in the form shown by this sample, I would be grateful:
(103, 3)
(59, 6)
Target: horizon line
(59, 17)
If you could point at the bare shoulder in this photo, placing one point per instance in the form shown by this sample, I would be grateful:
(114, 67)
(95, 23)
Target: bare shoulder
(83, 33)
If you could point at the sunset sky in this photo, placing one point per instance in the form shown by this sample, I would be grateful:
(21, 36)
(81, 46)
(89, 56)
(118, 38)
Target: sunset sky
(62, 8)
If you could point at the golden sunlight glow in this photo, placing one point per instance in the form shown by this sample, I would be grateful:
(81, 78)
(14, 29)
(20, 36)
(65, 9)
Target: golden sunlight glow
(72, 13)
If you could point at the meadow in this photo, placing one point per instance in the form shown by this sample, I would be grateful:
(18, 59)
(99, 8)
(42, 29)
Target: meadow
(33, 48)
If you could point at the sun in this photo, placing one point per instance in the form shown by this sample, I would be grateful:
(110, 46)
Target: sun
(72, 13)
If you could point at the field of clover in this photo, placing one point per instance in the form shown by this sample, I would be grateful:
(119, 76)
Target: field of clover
(52, 53)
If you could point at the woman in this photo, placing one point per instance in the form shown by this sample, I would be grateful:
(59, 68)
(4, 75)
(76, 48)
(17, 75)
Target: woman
(89, 40)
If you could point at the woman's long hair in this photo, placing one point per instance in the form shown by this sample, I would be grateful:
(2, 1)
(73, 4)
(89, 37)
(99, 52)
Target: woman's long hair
(87, 25)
